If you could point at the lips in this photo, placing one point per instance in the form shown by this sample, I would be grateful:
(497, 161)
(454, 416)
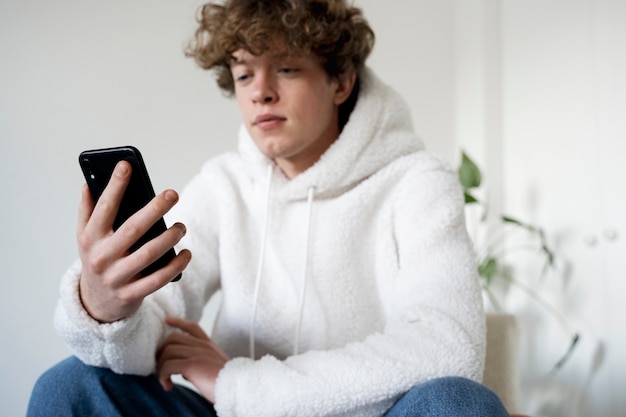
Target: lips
(268, 121)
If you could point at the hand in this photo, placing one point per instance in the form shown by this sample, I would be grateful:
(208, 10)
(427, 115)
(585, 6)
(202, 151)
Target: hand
(111, 287)
(191, 354)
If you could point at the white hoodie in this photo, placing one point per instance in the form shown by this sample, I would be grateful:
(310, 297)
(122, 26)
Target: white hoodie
(348, 284)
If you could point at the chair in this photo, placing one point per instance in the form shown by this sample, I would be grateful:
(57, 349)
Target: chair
(501, 373)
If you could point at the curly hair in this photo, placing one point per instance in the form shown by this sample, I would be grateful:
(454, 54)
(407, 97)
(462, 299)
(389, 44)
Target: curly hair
(334, 32)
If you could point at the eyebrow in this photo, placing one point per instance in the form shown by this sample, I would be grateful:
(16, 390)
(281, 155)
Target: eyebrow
(232, 61)
(246, 61)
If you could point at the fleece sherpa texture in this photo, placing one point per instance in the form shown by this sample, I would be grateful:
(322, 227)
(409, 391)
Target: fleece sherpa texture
(392, 300)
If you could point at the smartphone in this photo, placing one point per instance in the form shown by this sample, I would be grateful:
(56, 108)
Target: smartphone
(97, 166)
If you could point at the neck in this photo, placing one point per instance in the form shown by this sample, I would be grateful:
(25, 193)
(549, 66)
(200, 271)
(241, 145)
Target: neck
(297, 164)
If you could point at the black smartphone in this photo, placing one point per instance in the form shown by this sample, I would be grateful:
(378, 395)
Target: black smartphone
(97, 166)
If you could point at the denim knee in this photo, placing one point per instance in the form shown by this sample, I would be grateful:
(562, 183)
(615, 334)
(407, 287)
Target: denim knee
(55, 388)
(449, 397)
(53, 379)
(72, 388)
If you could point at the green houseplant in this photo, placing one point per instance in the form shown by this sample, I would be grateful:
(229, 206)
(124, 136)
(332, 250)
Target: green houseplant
(493, 253)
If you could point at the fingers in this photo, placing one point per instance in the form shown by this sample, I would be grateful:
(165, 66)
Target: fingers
(193, 355)
(144, 286)
(118, 243)
(85, 208)
(95, 222)
(166, 382)
(187, 326)
(178, 353)
(139, 223)
(152, 250)
(193, 334)
(107, 206)
(202, 374)
(169, 367)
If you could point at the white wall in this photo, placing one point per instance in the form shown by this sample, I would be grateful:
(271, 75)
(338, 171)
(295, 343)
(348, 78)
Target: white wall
(79, 74)
(564, 84)
(541, 100)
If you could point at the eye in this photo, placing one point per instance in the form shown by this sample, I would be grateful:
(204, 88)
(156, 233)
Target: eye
(242, 77)
(240, 73)
(288, 70)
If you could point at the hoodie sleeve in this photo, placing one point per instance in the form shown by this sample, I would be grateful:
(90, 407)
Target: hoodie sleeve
(128, 346)
(434, 323)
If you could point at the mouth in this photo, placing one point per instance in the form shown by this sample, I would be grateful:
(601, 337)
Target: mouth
(268, 121)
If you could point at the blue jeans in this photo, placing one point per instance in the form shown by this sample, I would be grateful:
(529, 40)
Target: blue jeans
(72, 388)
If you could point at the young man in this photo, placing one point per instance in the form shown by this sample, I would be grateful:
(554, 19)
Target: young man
(339, 245)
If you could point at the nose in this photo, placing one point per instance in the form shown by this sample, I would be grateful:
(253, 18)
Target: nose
(264, 90)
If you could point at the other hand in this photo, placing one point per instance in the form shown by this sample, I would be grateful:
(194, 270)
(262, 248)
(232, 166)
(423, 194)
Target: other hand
(192, 354)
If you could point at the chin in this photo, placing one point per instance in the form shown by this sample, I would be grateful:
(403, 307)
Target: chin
(271, 148)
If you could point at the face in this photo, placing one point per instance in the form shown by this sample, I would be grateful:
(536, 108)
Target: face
(289, 106)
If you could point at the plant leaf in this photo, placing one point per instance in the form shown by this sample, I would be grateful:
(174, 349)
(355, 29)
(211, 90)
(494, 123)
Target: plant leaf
(508, 219)
(545, 248)
(470, 199)
(488, 268)
(469, 173)
(568, 353)
(547, 252)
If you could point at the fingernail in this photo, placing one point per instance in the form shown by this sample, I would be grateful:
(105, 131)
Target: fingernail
(170, 195)
(121, 169)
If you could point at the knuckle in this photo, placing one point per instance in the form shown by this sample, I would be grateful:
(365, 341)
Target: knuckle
(105, 205)
(157, 207)
(170, 237)
(84, 240)
(98, 264)
(125, 297)
(144, 256)
(175, 234)
(159, 278)
(130, 229)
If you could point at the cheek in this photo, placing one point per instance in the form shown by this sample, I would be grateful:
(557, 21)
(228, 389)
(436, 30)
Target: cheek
(318, 100)
(240, 102)
(244, 111)
(322, 108)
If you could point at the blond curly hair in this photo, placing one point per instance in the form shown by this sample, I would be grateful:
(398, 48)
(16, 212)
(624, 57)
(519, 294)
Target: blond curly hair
(334, 32)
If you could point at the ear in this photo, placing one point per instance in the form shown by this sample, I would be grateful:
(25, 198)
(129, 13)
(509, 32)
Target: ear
(345, 84)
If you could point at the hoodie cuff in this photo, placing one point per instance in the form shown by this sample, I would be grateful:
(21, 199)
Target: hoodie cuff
(226, 388)
(87, 338)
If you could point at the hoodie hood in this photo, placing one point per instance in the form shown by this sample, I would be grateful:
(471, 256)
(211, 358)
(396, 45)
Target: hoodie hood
(379, 131)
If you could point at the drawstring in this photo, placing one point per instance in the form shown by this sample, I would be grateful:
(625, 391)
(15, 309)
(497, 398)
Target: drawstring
(305, 272)
(259, 272)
